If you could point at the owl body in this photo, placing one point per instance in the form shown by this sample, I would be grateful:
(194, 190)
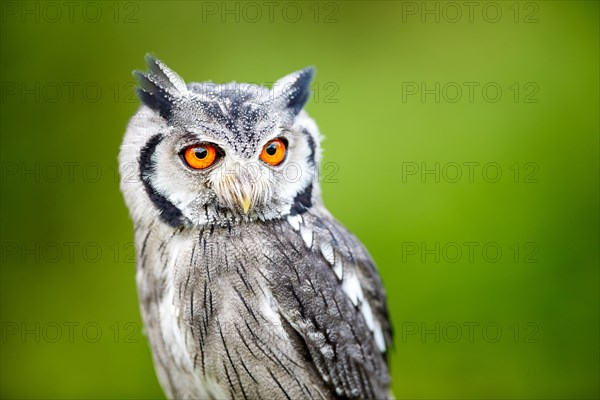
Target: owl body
(248, 287)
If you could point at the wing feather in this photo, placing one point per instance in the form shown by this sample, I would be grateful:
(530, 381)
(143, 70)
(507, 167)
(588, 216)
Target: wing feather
(336, 320)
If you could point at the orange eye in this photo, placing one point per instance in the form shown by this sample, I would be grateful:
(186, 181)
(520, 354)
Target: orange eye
(274, 152)
(200, 156)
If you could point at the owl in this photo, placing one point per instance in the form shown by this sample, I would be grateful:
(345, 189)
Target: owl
(248, 287)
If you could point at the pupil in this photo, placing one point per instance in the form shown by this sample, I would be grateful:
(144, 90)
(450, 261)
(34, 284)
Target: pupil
(200, 153)
(271, 149)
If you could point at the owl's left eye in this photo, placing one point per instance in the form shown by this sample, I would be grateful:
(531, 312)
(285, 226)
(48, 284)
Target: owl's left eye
(200, 156)
(273, 152)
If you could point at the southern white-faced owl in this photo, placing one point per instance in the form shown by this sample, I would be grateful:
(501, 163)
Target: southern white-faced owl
(248, 287)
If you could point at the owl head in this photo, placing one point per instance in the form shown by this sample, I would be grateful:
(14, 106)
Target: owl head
(203, 153)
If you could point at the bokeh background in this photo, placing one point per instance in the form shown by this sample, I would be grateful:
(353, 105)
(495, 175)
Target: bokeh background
(461, 148)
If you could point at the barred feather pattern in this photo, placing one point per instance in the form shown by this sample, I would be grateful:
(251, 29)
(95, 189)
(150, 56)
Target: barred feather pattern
(269, 309)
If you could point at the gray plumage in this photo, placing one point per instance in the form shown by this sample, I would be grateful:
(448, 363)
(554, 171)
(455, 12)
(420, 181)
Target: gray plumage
(248, 287)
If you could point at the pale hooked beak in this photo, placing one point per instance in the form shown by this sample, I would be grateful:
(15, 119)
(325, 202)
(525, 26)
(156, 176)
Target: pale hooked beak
(235, 191)
(245, 203)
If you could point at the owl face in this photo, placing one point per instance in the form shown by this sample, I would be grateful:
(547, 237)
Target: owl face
(203, 153)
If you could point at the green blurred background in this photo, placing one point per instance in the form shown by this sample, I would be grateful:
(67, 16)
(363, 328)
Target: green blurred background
(469, 324)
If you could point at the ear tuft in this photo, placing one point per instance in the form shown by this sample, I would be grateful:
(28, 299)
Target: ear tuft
(293, 90)
(160, 87)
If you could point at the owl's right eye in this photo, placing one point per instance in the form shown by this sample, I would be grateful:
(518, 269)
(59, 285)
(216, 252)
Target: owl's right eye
(200, 156)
